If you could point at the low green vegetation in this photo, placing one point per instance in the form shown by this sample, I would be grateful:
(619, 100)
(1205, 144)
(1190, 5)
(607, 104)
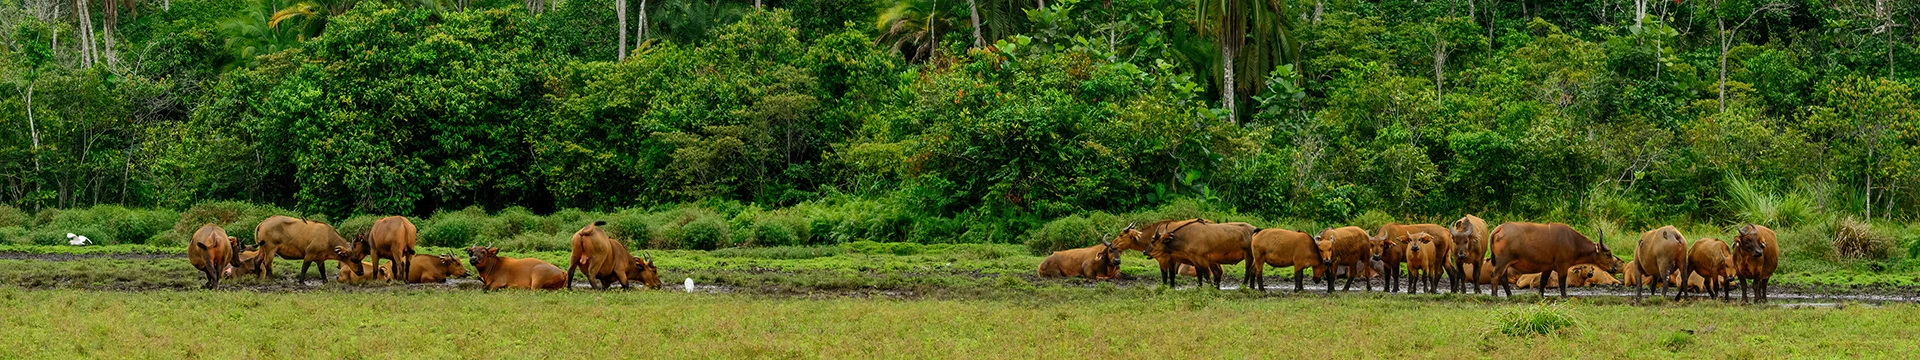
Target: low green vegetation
(1050, 323)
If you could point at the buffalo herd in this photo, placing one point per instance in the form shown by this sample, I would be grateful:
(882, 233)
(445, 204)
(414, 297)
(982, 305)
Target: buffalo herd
(218, 256)
(1465, 253)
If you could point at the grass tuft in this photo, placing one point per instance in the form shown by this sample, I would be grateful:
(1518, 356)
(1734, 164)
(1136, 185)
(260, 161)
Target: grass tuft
(1539, 319)
(1854, 239)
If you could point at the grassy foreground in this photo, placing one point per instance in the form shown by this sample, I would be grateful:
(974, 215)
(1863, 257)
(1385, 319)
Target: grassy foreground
(1090, 323)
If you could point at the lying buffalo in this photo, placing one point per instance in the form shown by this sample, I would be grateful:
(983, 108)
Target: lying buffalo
(377, 273)
(213, 253)
(604, 260)
(430, 268)
(1551, 249)
(504, 272)
(1101, 261)
(1660, 254)
(1756, 255)
(311, 242)
(1283, 248)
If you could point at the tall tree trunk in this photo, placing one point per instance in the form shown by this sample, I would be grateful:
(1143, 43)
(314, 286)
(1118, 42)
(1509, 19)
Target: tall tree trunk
(84, 32)
(1723, 59)
(112, 17)
(1228, 92)
(620, 12)
(1439, 67)
(1472, 13)
(640, 31)
(978, 41)
(1319, 6)
(1639, 13)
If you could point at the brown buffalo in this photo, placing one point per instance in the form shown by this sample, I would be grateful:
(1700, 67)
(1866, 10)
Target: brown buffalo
(390, 238)
(1550, 249)
(1484, 274)
(1661, 253)
(1133, 239)
(505, 272)
(1425, 261)
(1755, 255)
(1709, 259)
(311, 242)
(1469, 236)
(601, 257)
(1206, 246)
(1397, 236)
(1632, 277)
(429, 268)
(649, 274)
(244, 263)
(1580, 276)
(1350, 247)
(213, 253)
(1093, 262)
(1283, 248)
(1595, 276)
(347, 273)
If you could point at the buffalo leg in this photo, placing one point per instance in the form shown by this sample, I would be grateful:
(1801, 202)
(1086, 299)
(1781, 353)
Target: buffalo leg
(1298, 284)
(1545, 279)
(1743, 288)
(304, 264)
(1329, 278)
(1761, 292)
(1219, 274)
(1365, 283)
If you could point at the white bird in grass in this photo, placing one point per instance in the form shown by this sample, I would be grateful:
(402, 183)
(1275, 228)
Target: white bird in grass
(689, 284)
(77, 240)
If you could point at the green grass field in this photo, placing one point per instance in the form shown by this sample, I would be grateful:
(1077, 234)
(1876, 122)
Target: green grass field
(1080, 323)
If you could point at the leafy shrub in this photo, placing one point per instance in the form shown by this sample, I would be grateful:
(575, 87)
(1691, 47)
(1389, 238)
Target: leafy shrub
(13, 217)
(529, 242)
(513, 221)
(879, 248)
(1074, 231)
(360, 224)
(632, 227)
(690, 227)
(14, 235)
(1372, 219)
(109, 224)
(453, 229)
(1533, 320)
(780, 228)
(237, 219)
(1854, 239)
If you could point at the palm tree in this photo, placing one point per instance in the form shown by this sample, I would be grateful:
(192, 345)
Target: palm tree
(910, 28)
(1231, 24)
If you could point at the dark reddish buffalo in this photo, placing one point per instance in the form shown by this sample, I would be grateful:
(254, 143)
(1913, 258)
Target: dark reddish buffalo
(1350, 247)
(1133, 239)
(1469, 247)
(1709, 260)
(1550, 249)
(1397, 236)
(1755, 255)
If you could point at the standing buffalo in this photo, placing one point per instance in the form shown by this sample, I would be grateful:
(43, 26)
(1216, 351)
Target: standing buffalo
(1396, 236)
(213, 253)
(1755, 255)
(1283, 248)
(391, 238)
(1134, 239)
(1206, 246)
(1661, 253)
(1550, 249)
(1710, 261)
(1469, 246)
(1351, 247)
(603, 259)
(311, 242)
(1424, 262)
(504, 272)
(1100, 261)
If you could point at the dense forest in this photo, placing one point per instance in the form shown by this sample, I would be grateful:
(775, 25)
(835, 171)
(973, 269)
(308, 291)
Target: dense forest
(969, 120)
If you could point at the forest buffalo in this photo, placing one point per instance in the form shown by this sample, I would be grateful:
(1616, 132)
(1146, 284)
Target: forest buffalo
(1710, 260)
(391, 238)
(1283, 248)
(1396, 235)
(1755, 255)
(1100, 261)
(429, 268)
(504, 272)
(1425, 260)
(213, 253)
(1660, 253)
(1351, 247)
(1550, 249)
(1469, 246)
(1206, 246)
(603, 259)
(311, 242)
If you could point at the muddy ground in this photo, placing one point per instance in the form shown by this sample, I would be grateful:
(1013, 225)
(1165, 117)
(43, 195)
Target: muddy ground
(1279, 285)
